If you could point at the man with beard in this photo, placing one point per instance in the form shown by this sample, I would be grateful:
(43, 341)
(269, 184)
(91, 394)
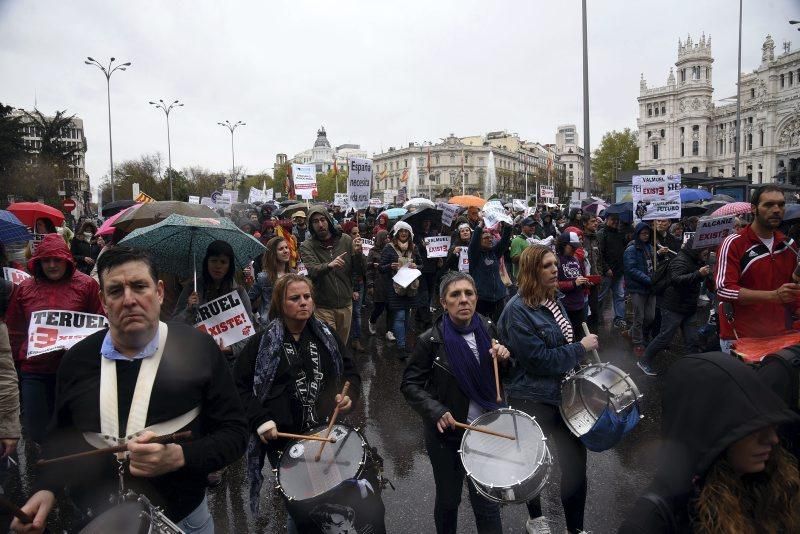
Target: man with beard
(755, 273)
(328, 256)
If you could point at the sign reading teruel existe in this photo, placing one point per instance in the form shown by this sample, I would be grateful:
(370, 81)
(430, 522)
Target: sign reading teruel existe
(225, 319)
(52, 330)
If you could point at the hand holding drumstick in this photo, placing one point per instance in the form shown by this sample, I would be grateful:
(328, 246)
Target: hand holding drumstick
(343, 404)
(498, 353)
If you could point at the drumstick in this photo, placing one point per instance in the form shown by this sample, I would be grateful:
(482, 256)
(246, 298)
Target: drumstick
(312, 437)
(496, 374)
(332, 422)
(10, 507)
(169, 438)
(594, 353)
(484, 430)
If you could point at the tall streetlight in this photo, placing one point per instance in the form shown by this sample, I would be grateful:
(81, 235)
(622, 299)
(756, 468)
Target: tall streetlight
(107, 72)
(738, 98)
(166, 109)
(232, 127)
(587, 147)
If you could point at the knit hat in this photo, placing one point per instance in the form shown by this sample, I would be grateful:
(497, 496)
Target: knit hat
(400, 225)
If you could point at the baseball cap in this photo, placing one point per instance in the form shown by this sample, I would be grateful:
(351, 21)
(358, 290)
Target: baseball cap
(569, 237)
(528, 221)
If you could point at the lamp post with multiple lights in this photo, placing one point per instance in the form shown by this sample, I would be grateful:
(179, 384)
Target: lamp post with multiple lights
(166, 108)
(232, 128)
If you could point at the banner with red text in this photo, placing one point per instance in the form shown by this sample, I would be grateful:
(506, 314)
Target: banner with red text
(225, 319)
(52, 330)
(15, 275)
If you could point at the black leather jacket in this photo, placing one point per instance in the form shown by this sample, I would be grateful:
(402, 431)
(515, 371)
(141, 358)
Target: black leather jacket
(429, 385)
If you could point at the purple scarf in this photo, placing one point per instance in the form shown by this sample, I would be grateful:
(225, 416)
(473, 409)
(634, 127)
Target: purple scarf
(475, 379)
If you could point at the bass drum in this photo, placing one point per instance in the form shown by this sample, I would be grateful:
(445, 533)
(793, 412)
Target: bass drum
(600, 404)
(503, 470)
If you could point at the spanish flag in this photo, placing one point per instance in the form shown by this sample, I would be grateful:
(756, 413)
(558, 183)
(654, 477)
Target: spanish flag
(383, 174)
(404, 177)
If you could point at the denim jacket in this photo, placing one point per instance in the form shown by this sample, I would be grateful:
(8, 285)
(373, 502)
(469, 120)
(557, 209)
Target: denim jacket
(541, 354)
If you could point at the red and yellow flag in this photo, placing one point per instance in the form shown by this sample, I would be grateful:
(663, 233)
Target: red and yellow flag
(404, 177)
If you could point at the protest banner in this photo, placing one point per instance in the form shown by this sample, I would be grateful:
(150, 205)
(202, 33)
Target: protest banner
(256, 195)
(713, 231)
(656, 196)
(547, 191)
(388, 196)
(494, 212)
(194, 199)
(52, 330)
(206, 201)
(340, 199)
(305, 180)
(366, 245)
(519, 204)
(375, 203)
(224, 202)
(233, 193)
(463, 260)
(449, 212)
(37, 238)
(15, 275)
(269, 195)
(225, 319)
(436, 246)
(359, 182)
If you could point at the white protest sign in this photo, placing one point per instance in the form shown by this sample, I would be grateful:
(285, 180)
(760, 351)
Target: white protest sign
(463, 260)
(37, 238)
(206, 201)
(340, 199)
(687, 236)
(494, 212)
(375, 203)
(52, 330)
(256, 195)
(359, 182)
(547, 191)
(15, 275)
(366, 245)
(519, 204)
(575, 204)
(194, 199)
(449, 212)
(713, 231)
(224, 201)
(436, 246)
(225, 319)
(305, 180)
(269, 195)
(233, 193)
(656, 196)
(301, 269)
(405, 275)
(388, 196)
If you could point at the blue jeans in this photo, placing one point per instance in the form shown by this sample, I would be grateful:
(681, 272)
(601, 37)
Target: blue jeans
(38, 398)
(617, 287)
(399, 327)
(670, 322)
(199, 521)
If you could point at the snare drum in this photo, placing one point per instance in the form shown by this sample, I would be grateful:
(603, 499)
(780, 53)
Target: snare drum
(600, 392)
(504, 470)
(133, 515)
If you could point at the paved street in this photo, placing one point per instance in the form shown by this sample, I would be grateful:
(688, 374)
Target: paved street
(616, 477)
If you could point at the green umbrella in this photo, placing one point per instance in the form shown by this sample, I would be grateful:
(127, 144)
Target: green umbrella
(179, 243)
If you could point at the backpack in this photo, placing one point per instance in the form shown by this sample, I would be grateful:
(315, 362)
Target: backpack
(661, 278)
(413, 287)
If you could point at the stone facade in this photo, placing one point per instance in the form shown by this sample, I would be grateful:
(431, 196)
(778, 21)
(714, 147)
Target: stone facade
(458, 164)
(321, 155)
(570, 153)
(682, 130)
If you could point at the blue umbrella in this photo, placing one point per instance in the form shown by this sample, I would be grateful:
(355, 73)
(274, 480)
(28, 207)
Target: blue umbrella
(623, 209)
(694, 195)
(394, 213)
(11, 229)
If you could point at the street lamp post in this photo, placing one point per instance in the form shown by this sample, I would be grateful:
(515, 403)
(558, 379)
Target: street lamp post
(107, 72)
(232, 127)
(166, 109)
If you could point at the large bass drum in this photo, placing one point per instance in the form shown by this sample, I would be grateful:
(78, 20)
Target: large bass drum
(503, 470)
(133, 515)
(600, 404)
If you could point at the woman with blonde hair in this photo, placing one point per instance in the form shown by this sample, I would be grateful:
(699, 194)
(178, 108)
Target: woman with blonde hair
(536, 329)
(275, 263)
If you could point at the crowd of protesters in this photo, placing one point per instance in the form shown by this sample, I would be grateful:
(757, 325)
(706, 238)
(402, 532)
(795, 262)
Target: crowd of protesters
(645, 281)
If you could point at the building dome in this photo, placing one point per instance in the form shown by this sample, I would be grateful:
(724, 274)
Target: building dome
(322, 139)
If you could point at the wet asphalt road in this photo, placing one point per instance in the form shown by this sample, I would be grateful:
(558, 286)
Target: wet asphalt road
(616, 477)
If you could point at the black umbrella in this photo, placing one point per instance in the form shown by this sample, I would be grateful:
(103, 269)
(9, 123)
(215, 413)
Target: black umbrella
(415, 218)
(112, 208)
(691, 209)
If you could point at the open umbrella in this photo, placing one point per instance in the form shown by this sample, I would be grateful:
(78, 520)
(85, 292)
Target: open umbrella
(724, 198)
(108, 228)
(418, 203)
(289, 211)
(693, 195)
(179, 243)
(152, 212)
(117, 206)
(692, 209)
(28, 212)
(467, 201)
(394, 213)
(623, 209)
(792, 212)
(11, 229)
(415, 218)
(733, 208)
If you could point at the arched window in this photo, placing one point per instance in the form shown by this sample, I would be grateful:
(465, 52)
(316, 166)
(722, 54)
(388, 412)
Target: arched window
(680, 170)
(695, 169)
(695, 148)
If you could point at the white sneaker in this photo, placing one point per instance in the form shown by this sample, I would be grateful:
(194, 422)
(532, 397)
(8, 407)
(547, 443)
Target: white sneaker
(371, 326)
(540, 525)
(390, 336)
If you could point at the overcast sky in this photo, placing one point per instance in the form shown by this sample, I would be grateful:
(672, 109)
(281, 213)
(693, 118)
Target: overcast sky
(374, 72)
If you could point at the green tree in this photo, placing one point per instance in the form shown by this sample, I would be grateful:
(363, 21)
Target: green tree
(54, 149)
(618, 151)
(12, 146)
(326, 185)
(257, 181)
(146, 171)
(203, 182)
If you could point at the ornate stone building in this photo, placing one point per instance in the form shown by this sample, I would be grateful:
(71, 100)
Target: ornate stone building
(570, 153)
(459, 164)
(682, 130)
(321, 155)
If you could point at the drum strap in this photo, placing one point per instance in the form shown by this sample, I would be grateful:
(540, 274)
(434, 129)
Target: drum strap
(140, 403)
(307, 390)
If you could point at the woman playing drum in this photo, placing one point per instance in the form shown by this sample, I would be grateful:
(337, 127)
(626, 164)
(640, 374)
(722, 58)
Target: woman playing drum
(449, 379)
(537, 330)
(288, 377)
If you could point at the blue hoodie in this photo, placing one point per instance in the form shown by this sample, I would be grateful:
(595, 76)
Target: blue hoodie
(638, 262)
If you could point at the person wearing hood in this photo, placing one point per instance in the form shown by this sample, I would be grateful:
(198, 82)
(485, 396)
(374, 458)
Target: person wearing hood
(546, 227)
(457, 257)
(328, 256)
(55, 285)
(399, 252)
(484, 267)
(722, 467)
(638, 265)
(382, 226)
(81, 247)
(375, 287)
(688, 272)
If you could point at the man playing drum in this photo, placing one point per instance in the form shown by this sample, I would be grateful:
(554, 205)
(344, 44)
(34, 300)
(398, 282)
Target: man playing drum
(138, 379)
(755, 273)
(449, 379)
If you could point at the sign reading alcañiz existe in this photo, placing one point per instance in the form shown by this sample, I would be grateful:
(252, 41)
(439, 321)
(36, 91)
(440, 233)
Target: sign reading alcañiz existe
(52, 330)
(225, 319)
